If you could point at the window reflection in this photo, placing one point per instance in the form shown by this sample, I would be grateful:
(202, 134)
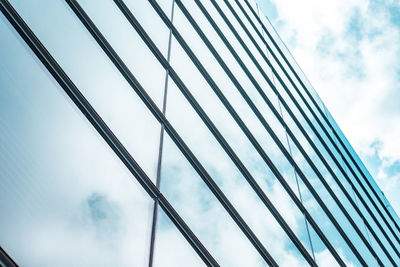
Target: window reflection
(65, 198)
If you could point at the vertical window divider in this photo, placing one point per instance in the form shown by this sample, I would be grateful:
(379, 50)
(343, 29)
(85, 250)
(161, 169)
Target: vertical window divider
(291, 154)
(160, 148)
(6, 259)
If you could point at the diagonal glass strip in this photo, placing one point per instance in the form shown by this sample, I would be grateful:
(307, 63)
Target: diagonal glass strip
(160, 150)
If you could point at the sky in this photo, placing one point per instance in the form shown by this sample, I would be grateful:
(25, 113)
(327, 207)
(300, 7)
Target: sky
(350, 52)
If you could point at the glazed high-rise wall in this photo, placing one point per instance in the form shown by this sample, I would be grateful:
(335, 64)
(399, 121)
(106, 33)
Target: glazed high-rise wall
(173, 133)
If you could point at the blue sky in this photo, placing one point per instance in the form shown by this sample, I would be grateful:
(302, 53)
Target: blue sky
(350, 52)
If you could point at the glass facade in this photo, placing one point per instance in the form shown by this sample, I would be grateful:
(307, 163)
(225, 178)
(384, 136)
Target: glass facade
(173, 133)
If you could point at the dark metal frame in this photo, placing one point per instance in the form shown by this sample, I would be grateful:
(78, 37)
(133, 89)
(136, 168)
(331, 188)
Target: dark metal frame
(153, 190)
(75, 95)
(160, 152)
(4, 257)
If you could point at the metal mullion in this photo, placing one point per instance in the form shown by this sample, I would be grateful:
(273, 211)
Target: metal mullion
(160, 151)
(84, 106)
(332, 156)
(260, 150)
(314, 147)
(294, 171)
(5, 258)
(396, 224)
(223, 143)
(168, 127)
(339, 204)
(320, 155)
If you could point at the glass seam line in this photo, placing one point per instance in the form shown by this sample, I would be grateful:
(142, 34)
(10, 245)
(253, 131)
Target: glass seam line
(260, 150)
(81, 102)
(160, 150)
(4, 257)
(170, 130)
(344, 167)
(334, 158)
(291, 154)
(316, 150)
(334, 131)
(296, 177)
(212, 128)
(354, 193)
(266, 99)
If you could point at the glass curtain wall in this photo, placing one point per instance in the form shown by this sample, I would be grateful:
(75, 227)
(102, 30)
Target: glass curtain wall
(173, 133)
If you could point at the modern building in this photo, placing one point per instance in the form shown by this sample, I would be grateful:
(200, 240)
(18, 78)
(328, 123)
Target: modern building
(173, 133)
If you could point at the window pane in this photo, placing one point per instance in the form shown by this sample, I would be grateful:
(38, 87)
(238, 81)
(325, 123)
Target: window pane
(127, 43)
(100, 82)
(228, 177)
(65, 198)
(171, 249)
(190, 196)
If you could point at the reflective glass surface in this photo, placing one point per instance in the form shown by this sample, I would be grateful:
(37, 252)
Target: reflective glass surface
(171, 249)
(227, 128)
(65, 198)
(97, 78)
